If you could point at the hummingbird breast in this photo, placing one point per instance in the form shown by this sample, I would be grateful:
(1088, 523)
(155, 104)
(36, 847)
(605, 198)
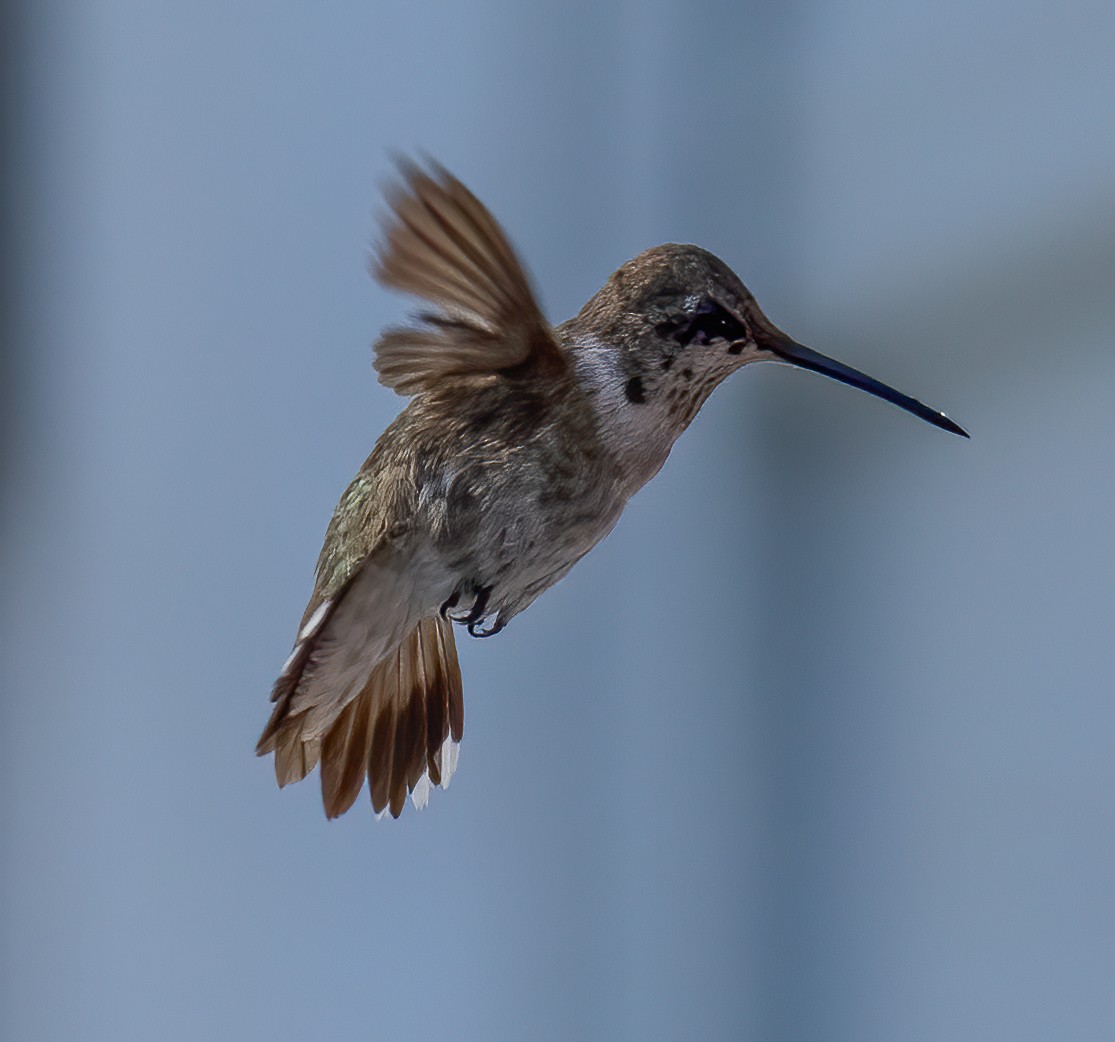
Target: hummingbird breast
(512, 486)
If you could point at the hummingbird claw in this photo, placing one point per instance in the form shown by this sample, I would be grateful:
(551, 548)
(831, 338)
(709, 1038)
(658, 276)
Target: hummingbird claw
(476, 614)
(479, 606)
(475, 631)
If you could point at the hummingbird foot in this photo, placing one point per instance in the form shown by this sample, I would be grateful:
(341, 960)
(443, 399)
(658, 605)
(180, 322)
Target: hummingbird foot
(479, 621)
(476, 613)
(475, 630)
(480, 594)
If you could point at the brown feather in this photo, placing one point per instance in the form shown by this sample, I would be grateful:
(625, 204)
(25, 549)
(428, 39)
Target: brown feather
(432, 677)
(400, 767)
(344, 755)
(380, 758)
(425, 243)
(442, 244)
(416, 728)
(400, 741)
(286, 686)
(334, 752)
(392, 732)
(281, 694)
(295, 757)
(454, 684)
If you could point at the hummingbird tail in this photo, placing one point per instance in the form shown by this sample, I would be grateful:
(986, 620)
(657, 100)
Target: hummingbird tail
(401, 731)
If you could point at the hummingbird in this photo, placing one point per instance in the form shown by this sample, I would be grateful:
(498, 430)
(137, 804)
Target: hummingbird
(517, 451)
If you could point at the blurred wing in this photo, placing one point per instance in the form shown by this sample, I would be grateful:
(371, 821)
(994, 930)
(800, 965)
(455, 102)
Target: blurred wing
(442, 244)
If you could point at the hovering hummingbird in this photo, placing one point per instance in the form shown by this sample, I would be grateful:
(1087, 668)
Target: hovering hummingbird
(516, 454)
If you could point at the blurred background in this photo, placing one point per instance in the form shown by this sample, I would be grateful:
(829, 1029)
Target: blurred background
(818, 745)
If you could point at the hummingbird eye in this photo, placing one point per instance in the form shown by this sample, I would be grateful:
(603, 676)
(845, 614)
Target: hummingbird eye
(710, 321)
(713, 322)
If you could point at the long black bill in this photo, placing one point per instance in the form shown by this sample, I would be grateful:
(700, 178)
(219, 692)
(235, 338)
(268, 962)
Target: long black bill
(805, 358)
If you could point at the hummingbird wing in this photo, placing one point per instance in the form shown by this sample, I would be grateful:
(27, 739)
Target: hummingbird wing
(442, 244)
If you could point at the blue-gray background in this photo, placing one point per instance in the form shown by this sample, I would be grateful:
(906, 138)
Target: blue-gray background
(819, 745)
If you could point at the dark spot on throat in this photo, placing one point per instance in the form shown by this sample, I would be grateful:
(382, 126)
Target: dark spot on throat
(634, 390)
(687, 373)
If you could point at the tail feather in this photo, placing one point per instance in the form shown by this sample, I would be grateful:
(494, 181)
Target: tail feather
(400, 731)
(286, 687)
(344, 754)
(295, 757)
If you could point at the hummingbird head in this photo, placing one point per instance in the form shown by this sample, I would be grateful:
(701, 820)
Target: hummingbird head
(672, 323)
